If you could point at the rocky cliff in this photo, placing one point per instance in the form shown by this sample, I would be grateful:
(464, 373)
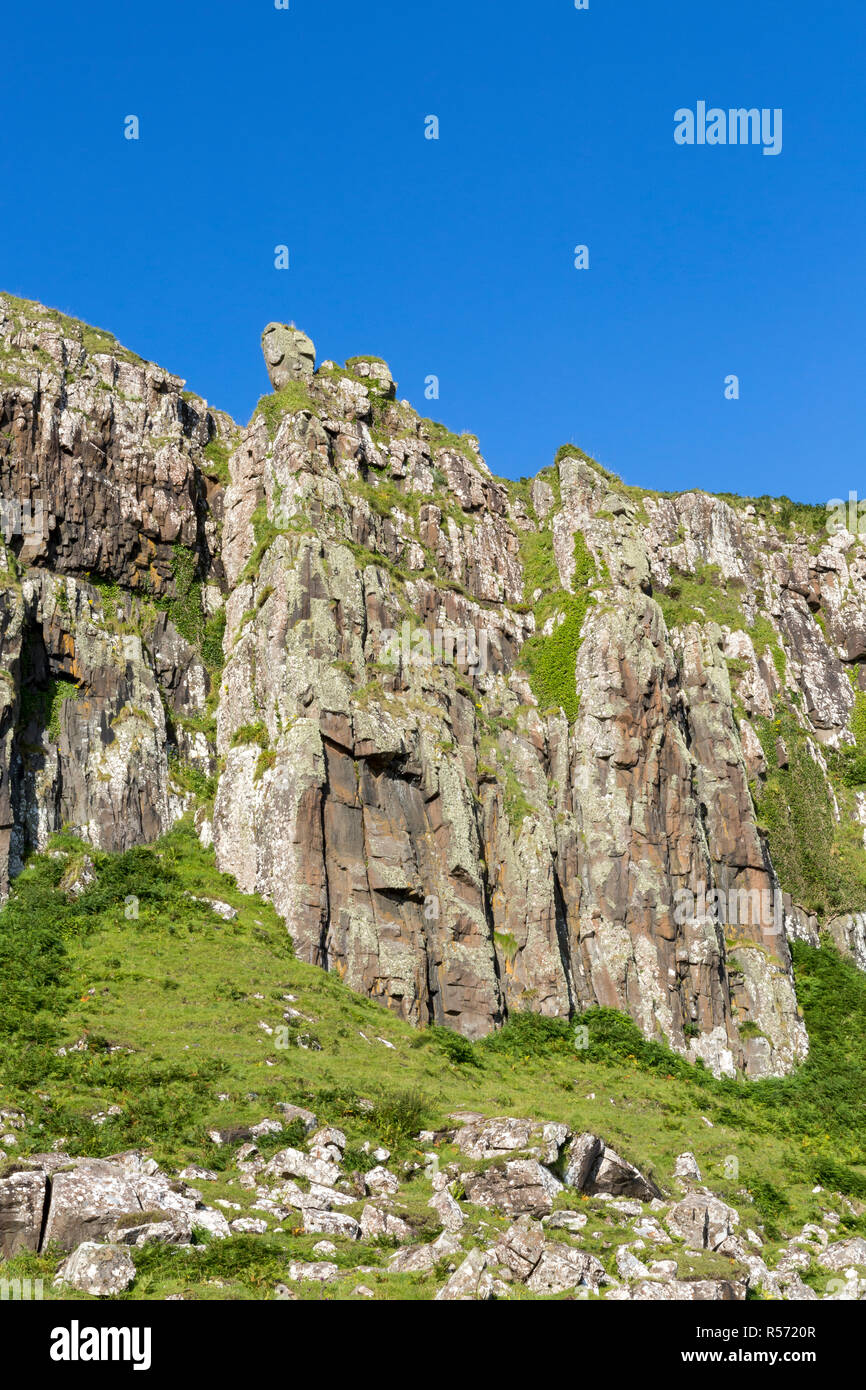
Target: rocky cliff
(487, 746)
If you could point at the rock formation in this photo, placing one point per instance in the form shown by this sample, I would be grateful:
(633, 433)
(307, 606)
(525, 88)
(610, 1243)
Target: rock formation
(479, 741)
(102, 1212)
(289, 354)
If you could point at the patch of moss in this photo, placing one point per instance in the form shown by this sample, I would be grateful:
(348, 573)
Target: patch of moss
(218, 454)
(265, 532)
(550, 660)
(250, 733)
(192, 779)
(440, 437)
(212, 641)
(819, 862)
(185, 609)
(266, 759)
(765, 638)
(289, 400)
(700, 598)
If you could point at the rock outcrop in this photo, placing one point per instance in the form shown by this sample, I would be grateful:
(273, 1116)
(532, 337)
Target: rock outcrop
(487, 746)
(101, 1212)
(289, 354)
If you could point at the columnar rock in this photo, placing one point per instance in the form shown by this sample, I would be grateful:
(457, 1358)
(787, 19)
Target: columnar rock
(477, 741)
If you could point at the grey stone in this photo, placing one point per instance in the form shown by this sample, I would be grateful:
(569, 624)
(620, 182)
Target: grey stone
(702, 1221)
(562, 1267)
(447, 1210)
(375, 1222)
(22, 1202)
(97, 1269)
(416, 1259)
(682, 1290)
(582, 1157)
(316, 1271)
(331, 1223)
(686, 1166)
(87, 1202)
(523, 1185)
(843, 1254)
(468, 1281)
(289, 354)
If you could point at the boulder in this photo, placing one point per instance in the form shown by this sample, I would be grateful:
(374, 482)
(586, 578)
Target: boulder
(166, 1228)
(290, 1113)
(843, 1254)
(192, 1173)
(469, 1281)
(381, 1181)
(702, 1221)
(621, 1179)
(375, 1222)
(491, 1138)
(97, 1269)
(213, 1223)
(291, 1163)
(678, 1290)
(22, 1203)
(520, 1247)
(629, 1266)
(87, 1202)
(416, 1259)
(565, 1220)
(447, 1210)
(563, 1267)
(248, 1226)
(545, 1266)
(686, 1166)
(582, 1157)
(523, 1185)
(331, 1223)
(316, 1271)
(592, 1167)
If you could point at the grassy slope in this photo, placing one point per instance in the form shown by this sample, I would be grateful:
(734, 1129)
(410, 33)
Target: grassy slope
(187, 993)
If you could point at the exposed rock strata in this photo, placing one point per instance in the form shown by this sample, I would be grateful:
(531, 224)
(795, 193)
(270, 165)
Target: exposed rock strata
(428, 824)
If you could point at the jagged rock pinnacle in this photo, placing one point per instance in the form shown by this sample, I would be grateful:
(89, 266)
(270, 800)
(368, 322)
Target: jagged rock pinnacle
(289, 354)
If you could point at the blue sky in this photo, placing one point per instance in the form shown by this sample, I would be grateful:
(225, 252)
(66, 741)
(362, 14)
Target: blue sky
(455, 257)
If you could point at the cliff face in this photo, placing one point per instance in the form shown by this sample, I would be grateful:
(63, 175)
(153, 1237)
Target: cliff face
(487, 746)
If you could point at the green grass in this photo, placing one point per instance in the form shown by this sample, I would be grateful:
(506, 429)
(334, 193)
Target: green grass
(251, 733)
(819, 862)
(218, 454)
(94, 340)
(517, 806)
(45, 704)
(265, 533)
(185, 609)
(291, 399)
(701, 597)
(765, 639)
(192, 779)
(803, 520)
(441, 437)
(181, 994)
(550, 660)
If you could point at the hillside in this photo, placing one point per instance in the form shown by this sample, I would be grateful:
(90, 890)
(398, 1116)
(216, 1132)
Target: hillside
(478, 764)
(168, 1031)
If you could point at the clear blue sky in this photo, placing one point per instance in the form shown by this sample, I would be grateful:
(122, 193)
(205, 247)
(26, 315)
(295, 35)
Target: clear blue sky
(306, 127)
